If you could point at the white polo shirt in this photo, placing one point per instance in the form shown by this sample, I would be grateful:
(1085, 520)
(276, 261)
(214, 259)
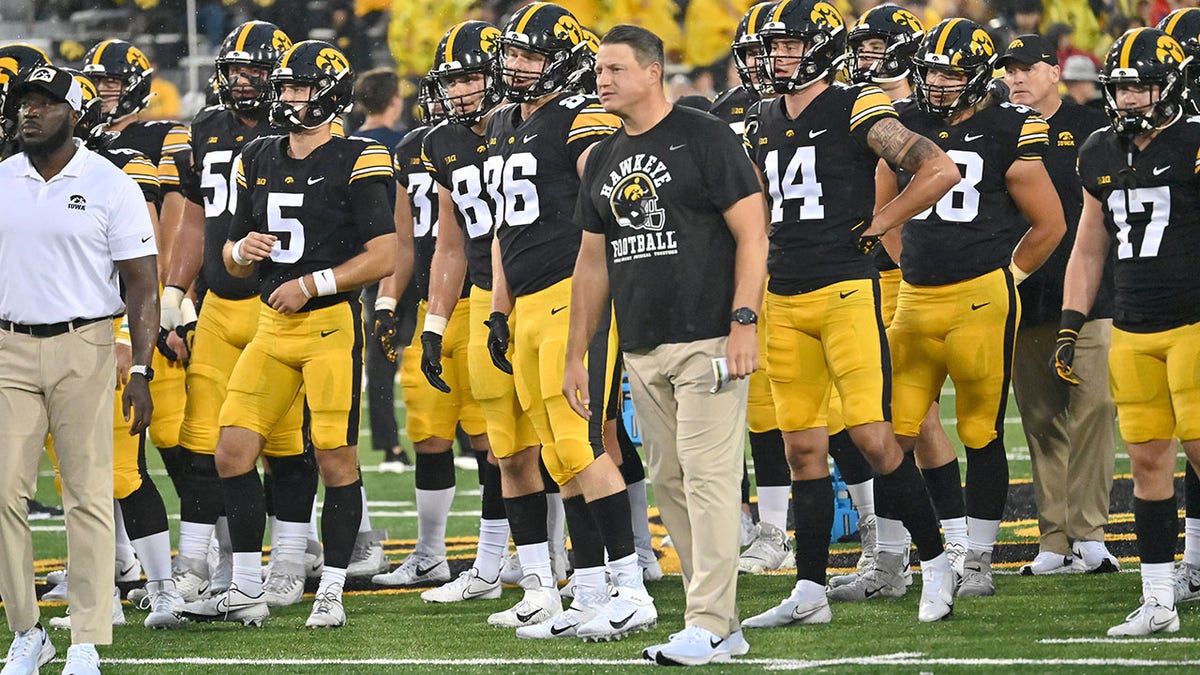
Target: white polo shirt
(60, 239)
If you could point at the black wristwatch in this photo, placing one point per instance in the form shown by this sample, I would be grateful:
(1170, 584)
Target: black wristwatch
(745, 316)
(145, 371)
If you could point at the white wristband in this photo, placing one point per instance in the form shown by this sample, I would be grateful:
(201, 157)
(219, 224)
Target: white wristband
(436, 324)
(384, 302)
(187, 311)
(304, 287)
(1019, 274)
(237, 253)
(324, 281)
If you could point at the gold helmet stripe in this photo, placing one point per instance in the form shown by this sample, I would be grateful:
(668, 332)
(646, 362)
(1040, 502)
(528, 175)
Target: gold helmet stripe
(241, 41)
(754, 12)
(533, 9)
(447, 57)
(100, 51)
(941, 43)
(779, 10)
(1130, 38)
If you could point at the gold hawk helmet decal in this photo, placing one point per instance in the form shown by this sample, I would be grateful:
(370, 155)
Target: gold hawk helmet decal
(825, 14)
(635, 203)
(280, 41)
(487, 39)
(568, 28)
(592, 40)
(1169, 50)
(8, 69)
(981, 43)
(903, 17)
(135, 57)
(332, 60)
(87, 87)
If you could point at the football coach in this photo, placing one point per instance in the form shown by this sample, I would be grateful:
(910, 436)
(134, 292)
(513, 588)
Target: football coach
(675, 224)
(71, 224)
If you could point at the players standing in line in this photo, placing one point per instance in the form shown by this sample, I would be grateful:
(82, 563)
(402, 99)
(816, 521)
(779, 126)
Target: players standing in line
(957, 310)
(537, 146)
(314, 221)
(817, 146)
(436, 404)
(1141, 175)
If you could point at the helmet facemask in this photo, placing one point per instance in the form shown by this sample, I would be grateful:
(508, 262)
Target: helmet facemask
(457, 107)
(891, 64)
(555, 70)
(821, 57)
(951, 98)
(1160, 112)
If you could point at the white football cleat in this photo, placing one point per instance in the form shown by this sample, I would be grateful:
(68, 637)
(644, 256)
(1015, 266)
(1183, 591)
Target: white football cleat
(1093, 557)
(562, 626)
(771, 550)
(368, 558)
(510, 570)
(628, 611)
(746, 531)
(191, 577)
(232, 605)
(327, 611)
(976, 578)
(1048, 562)
(1150, 618)
(884, 579)
(285, 584)
(539, 604)
(414, 571)
(468, 586)
(807, 604)
(1187, 583)
(938, 586)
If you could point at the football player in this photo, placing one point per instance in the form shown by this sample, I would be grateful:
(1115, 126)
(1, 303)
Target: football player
(957, 309)
(226, 324)
(1184, 26)
(817, 146)
(438, 404)
(537, 146)
(1141, 177)
(314, 221)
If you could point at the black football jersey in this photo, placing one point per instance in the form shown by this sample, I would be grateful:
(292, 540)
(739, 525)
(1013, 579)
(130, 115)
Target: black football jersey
(163, 142)
(454, 155)
(310, 204)
(217, 138)
(732, 105)
(820, 179)
(139, 168)
(1152, 214)
(533, 178)
(973, 229)
(416, 180)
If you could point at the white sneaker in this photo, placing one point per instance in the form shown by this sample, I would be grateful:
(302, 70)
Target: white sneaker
(1187, 583)
(693, 646)
(1151, 617)
(327, 611)
(118, 614)
(735, 643)
(1048, 562)
(956, 553)
(191, 577)
(510, 570)
(628, 611)
(1093, 557)
(368, 558)
(648, 561)
(884, 579)
(468, 586)
(57, 593)
(285, 584)
(771, 550)
(232, 605)
(392, 466)
(807, 604)
(82, 660)
(564, 625)
(868, 533)
(414, 571)
(977, 575)
(128, 571)
(747, 531)
(164, 603)
(539, 604)
(29, 651)
(938, 586)
(314, 559)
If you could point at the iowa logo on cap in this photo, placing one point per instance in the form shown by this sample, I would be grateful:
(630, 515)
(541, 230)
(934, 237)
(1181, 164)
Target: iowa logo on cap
(1016, 44)
(42, 75)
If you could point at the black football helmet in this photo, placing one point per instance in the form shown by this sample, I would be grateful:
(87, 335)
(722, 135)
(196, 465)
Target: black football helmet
(257, 44)
(429, 109)
(901, 32)
(549, 30)
(16, 59)
(747, 42)
(958, 46)
(467, 48)
(1145, 56)
(120, 60)
(634, 202)
(816, 23)
(1184, 26)
(583, 75)
(322, 67)
(90, 126)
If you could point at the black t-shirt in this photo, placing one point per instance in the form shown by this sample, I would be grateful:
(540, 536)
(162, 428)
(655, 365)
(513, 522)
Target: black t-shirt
(1152, 214)
(453, 155)
(974, 227)
(1042, 292)
(659, 200)
(324, 208)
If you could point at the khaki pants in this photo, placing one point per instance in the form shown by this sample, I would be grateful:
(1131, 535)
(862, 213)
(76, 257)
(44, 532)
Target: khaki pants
(62, 385)
(694, 443)
(1070, 433)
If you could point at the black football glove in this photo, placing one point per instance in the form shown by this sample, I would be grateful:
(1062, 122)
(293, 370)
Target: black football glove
(866, 242)
(497, 343)
(163, 347)
(386, 328)
(431, 360)
(1063, 360)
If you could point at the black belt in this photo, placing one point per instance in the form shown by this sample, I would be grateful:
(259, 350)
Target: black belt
(44, 330)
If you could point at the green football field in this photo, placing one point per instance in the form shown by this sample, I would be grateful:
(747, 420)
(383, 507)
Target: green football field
(1032, 625)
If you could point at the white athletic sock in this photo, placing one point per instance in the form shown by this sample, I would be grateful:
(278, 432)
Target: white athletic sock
(194, 538)
(556, 521)
(890, 536)
(1191, 541)
(639, 509)
(124, 548)
(535, 559)
(981, 534)
(1158, 582)
(154, 551)
(626, 572)
(433, 510)
(773, 505)
(590, 585)
(493, 545)
(332, 576)
(862, 495)
(247, 572)
(314, 527)
(364, 525)
(955, 530)
(291, 540)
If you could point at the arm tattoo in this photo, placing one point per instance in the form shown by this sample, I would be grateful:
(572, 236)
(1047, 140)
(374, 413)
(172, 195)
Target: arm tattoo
(900, 146)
